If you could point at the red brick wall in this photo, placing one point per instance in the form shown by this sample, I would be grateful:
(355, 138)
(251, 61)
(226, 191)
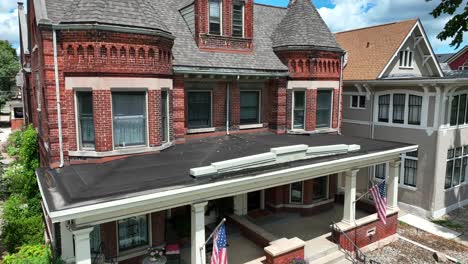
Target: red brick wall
(462, 59)
(235, 106)
(317, 65)
(359, 235)
(285, 258)
(158, 228)
(102, 100)
(17, 124)
(109, 238)
(311, 109)
(219, 106)
(278, 105)
(336, 113)
(179, 109)
(154, 117)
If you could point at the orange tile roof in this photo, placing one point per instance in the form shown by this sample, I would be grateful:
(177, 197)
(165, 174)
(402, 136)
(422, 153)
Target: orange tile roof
(370, 49)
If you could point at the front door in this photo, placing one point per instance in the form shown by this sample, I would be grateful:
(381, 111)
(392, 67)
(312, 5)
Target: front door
(324, 108)
(253, 200)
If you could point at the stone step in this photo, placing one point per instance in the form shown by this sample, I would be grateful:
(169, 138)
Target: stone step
(319, 247)
(333, 258)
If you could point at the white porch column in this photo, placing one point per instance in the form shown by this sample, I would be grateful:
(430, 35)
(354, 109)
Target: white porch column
(82, 245)
(198, 233)
(392, 192)
(66, 243)
(349, 210)
(241, 204)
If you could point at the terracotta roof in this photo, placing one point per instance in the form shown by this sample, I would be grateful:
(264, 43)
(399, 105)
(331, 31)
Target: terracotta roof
(370, 49)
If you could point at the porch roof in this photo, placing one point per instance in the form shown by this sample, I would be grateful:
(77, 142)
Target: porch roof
(88, 184)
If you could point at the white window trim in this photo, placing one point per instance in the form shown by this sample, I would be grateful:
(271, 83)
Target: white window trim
(453, 170)
(259, 91)
(302, 194)
(243, 20)
(220, 18)
(305, 109)
(452, 97)
(387, 171)
(424, 109)
(406, 63)
(205, 129)
(401, 183)
(77, 122)
(359, 101)
(147, 117)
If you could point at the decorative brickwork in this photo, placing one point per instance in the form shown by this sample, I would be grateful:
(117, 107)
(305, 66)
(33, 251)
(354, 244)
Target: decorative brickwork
(312, 65)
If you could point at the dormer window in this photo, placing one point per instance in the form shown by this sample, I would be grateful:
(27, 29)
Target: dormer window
(406, 59)
(215, 17)
(238, 18)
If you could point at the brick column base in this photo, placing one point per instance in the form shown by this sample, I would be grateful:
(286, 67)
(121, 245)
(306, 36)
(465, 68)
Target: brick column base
(283, 251)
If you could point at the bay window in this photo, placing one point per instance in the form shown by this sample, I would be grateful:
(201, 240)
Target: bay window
(296, 192)
(399, 108)
(133, 232)
(238, 18)
(414, 110)
(129, 114)
(299, 110)
(199, 109)
(85, 119)
(457, 167)
(215, 17)
(249, 107)
(384, 108)
(324, 109)
(458, 110)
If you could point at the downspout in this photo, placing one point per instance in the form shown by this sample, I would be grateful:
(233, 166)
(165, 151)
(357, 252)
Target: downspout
(340, 99)
(57, 95)
(228, 106)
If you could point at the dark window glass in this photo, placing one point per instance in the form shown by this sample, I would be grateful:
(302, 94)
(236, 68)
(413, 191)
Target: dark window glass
(133, 232)
(457, 172)
(324, 109)
(18, 112)
(454, 111)
(215, 17)
(320, 188)
(199, 109)
(414, 111)
(384, 108)
(249, 107)
(462, 110)
(296, 192)
(362, 101)
(354, 101)
(164, 116)
(237, 19)
(399, 108)
(380, 171)
(95, 239)
(299, 110)
(450, 153)
(402, 57)
(458, 151)
(410, 59)
(85, 119)
(413, 154)
(449, 174)
(410, 172)
(129, 110)
(464, 175)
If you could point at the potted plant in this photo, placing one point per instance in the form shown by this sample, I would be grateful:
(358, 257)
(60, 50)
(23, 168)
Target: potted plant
(299, 261)
(156, 254)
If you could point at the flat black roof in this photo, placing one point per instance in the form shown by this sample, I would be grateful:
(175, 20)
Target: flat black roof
(77, 185)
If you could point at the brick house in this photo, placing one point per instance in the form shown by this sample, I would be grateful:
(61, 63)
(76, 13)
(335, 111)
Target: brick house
(152, 111)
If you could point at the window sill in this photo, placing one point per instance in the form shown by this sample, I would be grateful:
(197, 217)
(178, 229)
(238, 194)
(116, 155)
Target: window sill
(410, 188)
(201, 130)
(358, 108)
(132, 253)
(406, 68)
(456, 187)
(252, 126)
(118, 152)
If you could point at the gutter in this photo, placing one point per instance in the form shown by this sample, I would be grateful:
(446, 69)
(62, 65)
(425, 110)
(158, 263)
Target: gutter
(340, 99)
(228, 105)
(57, 96)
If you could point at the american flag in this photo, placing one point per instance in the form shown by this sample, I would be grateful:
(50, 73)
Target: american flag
(219, 246)
(379, 193)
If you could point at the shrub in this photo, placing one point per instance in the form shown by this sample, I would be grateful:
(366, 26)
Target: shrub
(21, 223)
(13, 144)
(30, 254)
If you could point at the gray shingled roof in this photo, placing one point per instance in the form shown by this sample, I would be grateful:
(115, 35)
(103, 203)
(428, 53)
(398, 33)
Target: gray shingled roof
(303, 26)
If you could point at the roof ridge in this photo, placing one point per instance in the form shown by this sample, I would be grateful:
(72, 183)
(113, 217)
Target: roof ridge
(378, 25)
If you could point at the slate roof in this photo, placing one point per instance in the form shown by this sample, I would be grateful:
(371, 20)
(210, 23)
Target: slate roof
(443, 58)
(78, 185)
(303, 26)
(370, 49)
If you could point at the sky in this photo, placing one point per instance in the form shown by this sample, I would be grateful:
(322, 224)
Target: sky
(339, 15)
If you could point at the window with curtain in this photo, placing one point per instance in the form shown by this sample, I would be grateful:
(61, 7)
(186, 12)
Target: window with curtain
(215, 17)
(238, 18)
(399, 101)
(296, 192)
(410, 168)
(249, 107)
(133, 232)
(414, 109)
(457, 167)
(85, 119)
(384, 108)
(95, 239)
(324, 109)
(380, 171)
(129, 113)
(458, 112)
(299, 109)
(320, 188)
(164, 116)
(199, 109)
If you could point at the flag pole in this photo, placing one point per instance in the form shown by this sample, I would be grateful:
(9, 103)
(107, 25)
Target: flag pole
(212, 233)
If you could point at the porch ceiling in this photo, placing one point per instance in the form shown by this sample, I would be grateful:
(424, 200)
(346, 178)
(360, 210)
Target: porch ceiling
(73, 187)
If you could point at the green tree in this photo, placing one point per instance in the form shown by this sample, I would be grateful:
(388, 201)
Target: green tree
(9, 67)
(457, 25)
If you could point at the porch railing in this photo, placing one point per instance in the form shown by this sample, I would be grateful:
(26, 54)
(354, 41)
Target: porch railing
(99, 257)
(358, 257)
